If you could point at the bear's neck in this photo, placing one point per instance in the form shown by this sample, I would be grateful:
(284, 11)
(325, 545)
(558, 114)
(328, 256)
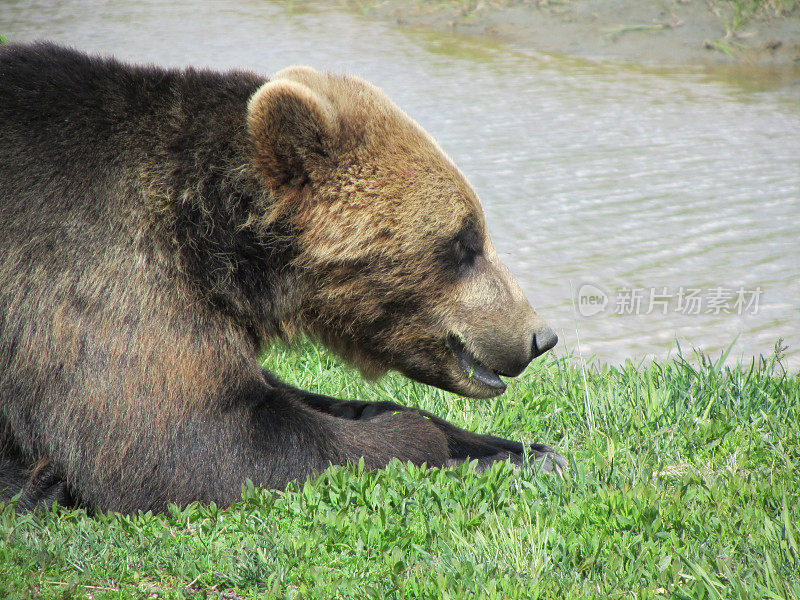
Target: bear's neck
(201, 186)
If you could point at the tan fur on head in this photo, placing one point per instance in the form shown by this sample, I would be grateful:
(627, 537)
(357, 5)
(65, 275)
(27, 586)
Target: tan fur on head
(375, 151)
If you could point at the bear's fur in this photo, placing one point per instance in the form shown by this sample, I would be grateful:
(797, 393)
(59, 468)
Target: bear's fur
(159, 227)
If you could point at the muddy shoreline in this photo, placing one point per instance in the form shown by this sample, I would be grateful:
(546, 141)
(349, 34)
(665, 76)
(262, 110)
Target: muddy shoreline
(674, 33)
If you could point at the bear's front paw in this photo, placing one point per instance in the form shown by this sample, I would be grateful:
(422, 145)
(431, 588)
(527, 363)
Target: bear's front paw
(550, 460)
(543, 457)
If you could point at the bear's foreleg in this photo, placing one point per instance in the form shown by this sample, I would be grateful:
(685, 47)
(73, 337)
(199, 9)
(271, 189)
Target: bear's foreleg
(462, 445)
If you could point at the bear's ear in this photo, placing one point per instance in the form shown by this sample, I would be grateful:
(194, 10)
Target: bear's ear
(307, 76)
(294, 132)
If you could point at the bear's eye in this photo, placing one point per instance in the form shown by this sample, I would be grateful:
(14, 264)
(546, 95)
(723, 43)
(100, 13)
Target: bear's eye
(464, 248)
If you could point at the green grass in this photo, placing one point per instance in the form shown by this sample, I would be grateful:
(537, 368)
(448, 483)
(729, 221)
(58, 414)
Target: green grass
(740, 11)
(683, 484)
(735, 15)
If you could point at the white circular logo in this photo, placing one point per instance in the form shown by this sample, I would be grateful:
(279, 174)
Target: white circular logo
(592, 300)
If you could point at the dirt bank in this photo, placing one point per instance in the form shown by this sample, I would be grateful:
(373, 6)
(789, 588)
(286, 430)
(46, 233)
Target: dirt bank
(671, 32)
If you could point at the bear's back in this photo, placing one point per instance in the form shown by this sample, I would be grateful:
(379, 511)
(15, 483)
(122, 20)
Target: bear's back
(63, 112)
(91, 148)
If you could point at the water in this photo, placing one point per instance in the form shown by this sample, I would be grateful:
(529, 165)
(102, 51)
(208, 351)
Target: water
(608, 189)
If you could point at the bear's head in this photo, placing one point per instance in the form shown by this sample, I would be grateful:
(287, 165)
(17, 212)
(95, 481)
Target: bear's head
(394, 261)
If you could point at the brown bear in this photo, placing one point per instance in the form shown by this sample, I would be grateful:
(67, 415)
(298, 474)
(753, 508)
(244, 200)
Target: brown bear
(160, 227)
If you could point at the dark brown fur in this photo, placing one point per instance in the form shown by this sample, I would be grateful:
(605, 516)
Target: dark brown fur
(161, 226)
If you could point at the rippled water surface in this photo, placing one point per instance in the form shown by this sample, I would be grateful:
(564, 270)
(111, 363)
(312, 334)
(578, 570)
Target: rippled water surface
(636, 208)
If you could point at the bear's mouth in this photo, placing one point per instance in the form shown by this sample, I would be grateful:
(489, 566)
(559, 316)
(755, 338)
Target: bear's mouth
(472, 367)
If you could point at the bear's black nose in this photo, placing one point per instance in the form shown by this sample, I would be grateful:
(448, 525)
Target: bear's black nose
(544, 340)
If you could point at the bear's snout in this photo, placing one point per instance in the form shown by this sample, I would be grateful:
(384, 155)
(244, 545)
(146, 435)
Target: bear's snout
(510, 359)
(543, 341)
(511, 364)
